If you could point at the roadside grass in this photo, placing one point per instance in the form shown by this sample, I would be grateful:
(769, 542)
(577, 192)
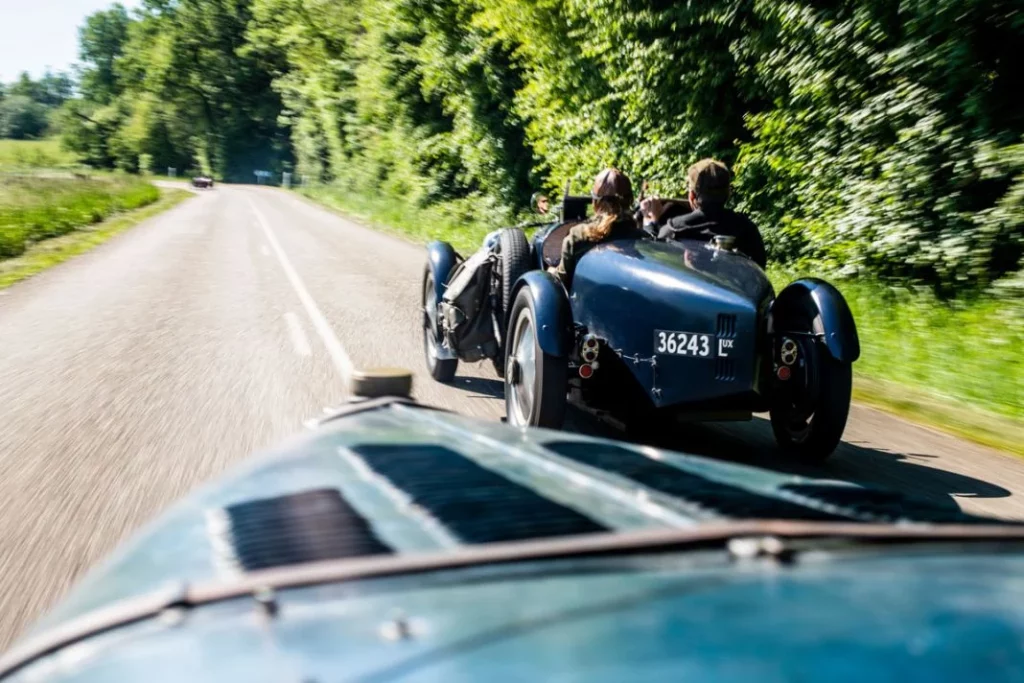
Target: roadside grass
(956, 366)
(953, 417)
(463, 225)
(50, 252)
(39, 208)
(35, 154)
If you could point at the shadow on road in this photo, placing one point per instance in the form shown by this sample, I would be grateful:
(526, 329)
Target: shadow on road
(480, 387)
(752, 443)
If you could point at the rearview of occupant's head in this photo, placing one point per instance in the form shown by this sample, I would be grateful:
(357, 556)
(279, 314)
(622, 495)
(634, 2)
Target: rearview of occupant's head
(710, 182)
(612, 192)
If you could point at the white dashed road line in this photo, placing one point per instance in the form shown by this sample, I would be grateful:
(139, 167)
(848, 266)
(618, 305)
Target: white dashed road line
(338, 356)
(298, 335)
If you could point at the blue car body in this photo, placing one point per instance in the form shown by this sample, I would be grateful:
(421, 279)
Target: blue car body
(624, 291)
(631, 294)
(395, 542)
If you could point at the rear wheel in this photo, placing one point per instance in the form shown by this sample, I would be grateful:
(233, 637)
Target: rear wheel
(441, 369)
(515, 261)
(809, 418)
(535, 382)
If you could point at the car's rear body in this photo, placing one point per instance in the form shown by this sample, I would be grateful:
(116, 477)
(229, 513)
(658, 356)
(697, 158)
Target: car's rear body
(629, 293)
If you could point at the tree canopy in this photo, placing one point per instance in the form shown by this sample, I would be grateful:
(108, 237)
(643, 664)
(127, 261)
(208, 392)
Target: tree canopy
(27, 106)
(876, 136)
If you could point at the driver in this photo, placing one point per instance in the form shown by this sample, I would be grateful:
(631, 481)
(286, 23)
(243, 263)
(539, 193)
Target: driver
(540, 203)
(612, 197)
(709, 182)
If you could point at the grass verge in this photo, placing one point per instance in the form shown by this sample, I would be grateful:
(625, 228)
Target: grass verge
(958, 367)
(463, 224)
(43, 255)
(981, 427)
(39, 208)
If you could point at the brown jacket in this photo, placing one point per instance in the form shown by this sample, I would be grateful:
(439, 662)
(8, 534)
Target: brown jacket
(576, 243)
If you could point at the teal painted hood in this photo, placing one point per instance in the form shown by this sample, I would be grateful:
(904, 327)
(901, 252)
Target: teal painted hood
(408, 479)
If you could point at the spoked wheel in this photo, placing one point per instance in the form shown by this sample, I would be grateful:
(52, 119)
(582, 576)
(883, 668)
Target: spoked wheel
(535, 383)
(809, 415)
(441, 369)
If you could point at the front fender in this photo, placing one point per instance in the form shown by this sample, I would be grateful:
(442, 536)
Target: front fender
(817, 304)
(551, 306)
(441, 259)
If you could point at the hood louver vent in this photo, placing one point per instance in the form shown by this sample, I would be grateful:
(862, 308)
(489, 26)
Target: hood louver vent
(310, 526)
(472, 502)
(725, 499)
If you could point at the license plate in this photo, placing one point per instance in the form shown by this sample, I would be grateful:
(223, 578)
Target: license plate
(684, 344)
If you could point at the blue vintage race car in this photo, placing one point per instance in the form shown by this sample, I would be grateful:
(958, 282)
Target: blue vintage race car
(395, 542)
(648, 332)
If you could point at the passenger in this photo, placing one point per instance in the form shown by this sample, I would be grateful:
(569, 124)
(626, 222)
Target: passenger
(612, 197)
(709, 182)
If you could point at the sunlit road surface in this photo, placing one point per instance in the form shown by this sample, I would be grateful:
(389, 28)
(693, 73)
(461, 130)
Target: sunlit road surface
(133, 373)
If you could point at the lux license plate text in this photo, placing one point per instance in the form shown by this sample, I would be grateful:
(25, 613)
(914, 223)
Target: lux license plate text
(683, 344)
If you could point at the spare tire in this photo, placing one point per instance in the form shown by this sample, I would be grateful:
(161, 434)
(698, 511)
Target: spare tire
(515, 262)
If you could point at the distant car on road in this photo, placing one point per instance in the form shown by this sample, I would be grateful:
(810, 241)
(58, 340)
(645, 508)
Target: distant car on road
(648, 332)
(203, 182)
(399, 542)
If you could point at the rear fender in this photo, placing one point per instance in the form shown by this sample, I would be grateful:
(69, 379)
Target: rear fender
(551, 306)
(817, 305)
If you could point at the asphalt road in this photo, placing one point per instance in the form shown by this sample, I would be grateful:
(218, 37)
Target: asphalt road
(138, 370)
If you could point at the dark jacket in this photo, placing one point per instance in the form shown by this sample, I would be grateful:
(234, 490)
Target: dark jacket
(576, 243)
(704, 224)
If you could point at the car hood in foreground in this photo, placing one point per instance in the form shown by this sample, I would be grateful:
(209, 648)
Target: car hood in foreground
(869, 616)
(394, 478)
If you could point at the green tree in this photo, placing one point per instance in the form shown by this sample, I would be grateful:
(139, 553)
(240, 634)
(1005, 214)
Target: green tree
(54, 89)
(101, 44)
(22, 118)
(25, 87)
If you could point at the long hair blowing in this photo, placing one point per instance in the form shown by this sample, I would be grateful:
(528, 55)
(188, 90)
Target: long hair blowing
(606, 213)
(613, 195)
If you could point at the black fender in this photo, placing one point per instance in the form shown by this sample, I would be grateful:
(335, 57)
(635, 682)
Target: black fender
(816, 303)
(551, 305)
(441, 259)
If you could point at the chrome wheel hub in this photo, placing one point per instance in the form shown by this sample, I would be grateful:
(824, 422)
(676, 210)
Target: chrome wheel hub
(522, 378)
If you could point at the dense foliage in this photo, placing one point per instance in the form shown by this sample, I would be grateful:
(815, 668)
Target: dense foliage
(27, 105)
(872, 135)
(177, 86)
